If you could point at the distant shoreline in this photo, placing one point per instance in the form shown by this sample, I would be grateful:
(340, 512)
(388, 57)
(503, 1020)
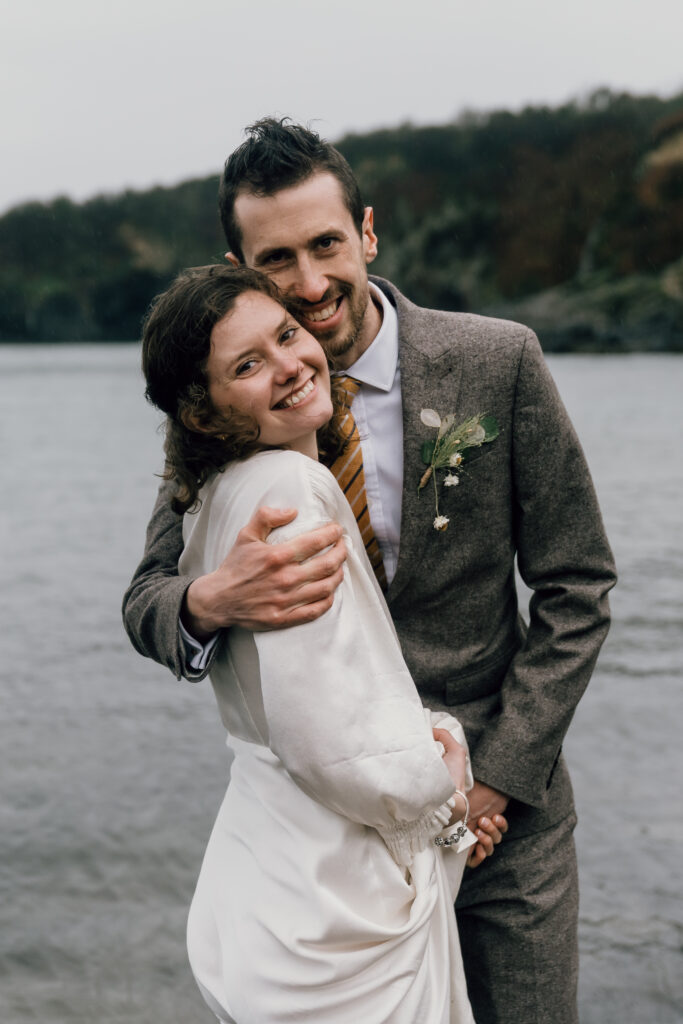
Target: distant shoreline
(556, 346)
(568, 220)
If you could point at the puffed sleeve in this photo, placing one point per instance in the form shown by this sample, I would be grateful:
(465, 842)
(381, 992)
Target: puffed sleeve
(342, 711)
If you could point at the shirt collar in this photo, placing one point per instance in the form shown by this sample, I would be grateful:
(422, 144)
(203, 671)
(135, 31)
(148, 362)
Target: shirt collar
(377, 366)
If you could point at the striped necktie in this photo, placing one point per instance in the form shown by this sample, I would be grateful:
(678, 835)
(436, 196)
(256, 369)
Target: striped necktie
(348, 472)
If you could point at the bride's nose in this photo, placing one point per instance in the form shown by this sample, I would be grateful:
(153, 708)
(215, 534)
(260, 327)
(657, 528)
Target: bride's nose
(288, 367)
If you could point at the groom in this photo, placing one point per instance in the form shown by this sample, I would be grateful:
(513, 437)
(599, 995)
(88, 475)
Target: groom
(291, 208)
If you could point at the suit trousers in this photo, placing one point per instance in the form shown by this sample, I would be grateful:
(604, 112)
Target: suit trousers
(518, 921)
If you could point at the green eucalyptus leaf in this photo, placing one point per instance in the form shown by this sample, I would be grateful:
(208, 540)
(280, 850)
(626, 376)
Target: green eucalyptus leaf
(490, 425)
(428, 452)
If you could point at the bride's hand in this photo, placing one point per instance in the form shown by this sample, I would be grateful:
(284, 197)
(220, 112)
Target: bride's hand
(454, 757)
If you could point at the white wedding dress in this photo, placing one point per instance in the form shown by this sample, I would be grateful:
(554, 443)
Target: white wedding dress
(322, 898)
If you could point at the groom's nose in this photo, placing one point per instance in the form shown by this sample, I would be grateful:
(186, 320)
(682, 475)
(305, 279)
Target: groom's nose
(308, 282)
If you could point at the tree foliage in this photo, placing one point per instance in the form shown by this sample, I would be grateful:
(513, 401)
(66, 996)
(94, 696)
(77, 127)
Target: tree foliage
(544, 213)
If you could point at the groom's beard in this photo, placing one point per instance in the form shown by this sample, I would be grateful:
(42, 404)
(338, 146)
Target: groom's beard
(339, 340)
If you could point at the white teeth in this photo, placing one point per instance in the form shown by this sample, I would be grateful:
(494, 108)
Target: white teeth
(292, 400)
(323, 314)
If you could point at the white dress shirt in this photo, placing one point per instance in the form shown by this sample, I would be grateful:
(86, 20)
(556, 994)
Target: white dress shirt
(377, 410)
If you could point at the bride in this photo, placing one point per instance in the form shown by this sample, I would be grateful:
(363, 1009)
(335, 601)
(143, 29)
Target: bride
(324, 896)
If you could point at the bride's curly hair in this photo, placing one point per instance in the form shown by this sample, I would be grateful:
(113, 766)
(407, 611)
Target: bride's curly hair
(176, 341)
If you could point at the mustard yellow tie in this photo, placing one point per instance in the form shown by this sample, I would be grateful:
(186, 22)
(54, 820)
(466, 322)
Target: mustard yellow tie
(348, 472)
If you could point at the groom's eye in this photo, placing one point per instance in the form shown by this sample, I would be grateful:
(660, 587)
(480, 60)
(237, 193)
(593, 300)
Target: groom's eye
(275, 257)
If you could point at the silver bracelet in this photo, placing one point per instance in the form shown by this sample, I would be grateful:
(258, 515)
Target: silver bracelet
(461, 830)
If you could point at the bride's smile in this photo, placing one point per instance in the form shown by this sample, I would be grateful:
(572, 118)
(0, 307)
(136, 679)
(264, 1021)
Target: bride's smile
(296, 397)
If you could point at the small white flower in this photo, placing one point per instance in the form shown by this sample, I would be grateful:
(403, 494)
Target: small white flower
(430, 418)
(455, 459)
(451, 480)
(441, 523)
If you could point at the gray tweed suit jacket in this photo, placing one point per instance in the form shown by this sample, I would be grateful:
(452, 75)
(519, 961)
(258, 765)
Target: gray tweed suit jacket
(453, 599)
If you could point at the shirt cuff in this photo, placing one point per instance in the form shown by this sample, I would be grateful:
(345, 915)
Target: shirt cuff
(197, 655)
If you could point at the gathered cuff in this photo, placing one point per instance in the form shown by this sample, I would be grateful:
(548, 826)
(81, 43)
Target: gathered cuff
(406, 838)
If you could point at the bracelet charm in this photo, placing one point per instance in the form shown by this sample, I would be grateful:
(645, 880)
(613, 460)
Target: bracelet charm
(454, 838)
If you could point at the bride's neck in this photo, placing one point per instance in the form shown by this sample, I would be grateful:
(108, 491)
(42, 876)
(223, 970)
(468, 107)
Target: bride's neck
(307, 445)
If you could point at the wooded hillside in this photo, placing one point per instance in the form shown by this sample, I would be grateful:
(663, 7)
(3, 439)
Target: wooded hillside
(569, 219)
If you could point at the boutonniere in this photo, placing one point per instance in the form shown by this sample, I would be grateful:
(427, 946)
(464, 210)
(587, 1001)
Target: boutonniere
(452, 448)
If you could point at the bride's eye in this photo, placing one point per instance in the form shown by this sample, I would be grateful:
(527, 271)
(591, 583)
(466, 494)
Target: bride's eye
(288, 334)
(245, 366)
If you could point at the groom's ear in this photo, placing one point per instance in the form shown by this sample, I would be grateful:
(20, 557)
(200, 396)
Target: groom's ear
(368, 236)
(231, 258)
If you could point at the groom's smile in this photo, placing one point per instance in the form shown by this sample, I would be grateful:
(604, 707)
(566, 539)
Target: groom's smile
(319, 316)
(328, 319)
(305, 239)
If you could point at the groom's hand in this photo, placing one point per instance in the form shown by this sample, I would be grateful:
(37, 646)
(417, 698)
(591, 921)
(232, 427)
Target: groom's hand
(264, 586)
(486, 820)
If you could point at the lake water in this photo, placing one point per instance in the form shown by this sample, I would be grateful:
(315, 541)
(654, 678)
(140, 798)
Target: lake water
(112, 771)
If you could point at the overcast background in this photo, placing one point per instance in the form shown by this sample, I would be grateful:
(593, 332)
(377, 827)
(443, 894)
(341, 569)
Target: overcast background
(100, 96)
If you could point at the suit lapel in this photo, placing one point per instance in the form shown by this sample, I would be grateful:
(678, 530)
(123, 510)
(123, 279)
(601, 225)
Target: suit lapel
(430, 378)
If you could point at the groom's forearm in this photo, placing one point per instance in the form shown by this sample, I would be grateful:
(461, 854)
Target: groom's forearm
(155, 596)
(198, 611)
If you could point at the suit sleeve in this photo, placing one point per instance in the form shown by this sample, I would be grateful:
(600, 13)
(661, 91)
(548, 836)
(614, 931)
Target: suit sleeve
(153, 600)
(564, 557)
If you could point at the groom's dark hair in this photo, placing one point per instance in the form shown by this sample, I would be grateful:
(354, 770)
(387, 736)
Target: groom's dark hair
(278, 154)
